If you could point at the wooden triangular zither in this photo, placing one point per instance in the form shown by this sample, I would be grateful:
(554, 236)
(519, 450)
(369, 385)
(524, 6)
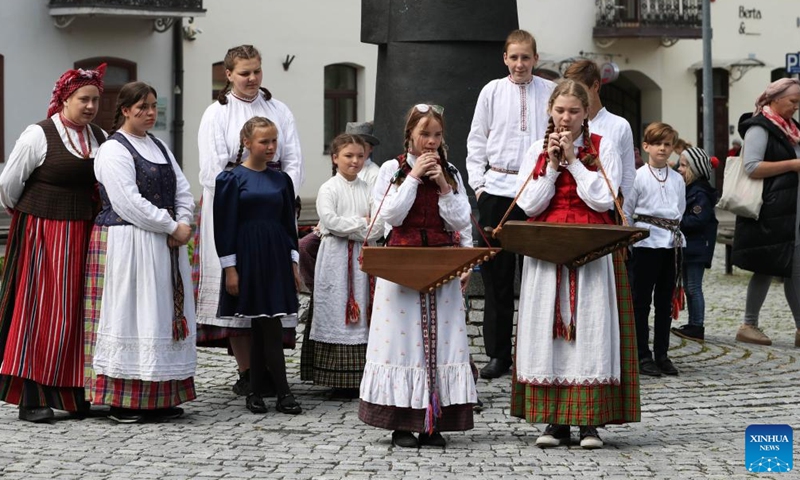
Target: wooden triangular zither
(570, 244)
(422, 268)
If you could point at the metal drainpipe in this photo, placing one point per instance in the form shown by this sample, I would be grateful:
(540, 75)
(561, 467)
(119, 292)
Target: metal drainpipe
(177, 91)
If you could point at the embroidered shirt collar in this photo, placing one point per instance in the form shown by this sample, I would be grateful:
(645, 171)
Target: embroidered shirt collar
(519, 83)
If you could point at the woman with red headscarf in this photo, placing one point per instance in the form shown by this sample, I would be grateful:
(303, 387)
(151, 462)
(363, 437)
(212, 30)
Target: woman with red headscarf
(48, 184)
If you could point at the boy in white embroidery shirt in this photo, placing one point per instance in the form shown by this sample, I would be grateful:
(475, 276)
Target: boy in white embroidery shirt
(657, 202)
(510, 115)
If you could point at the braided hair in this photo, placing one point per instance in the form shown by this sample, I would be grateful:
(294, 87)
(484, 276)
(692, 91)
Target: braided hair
(247, 131)
(342, 140)
(575, 89)
(242, 52)
(591, 157)
(129, 95)
(414, 118)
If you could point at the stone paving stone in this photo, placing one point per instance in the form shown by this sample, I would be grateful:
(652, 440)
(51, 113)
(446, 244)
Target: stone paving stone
(692, 425)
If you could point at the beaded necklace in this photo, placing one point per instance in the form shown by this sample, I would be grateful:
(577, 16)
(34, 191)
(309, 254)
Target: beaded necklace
(245, 99)
(666, 175)
(663, 183)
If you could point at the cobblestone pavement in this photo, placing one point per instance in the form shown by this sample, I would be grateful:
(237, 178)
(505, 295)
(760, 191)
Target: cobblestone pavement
(692, 425)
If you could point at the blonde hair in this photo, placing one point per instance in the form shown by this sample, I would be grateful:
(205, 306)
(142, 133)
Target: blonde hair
(572, 88)
(249, 128)
(689, 175)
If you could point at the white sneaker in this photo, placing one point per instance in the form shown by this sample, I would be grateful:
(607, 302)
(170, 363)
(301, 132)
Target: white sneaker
(553, 436)
(590, 439)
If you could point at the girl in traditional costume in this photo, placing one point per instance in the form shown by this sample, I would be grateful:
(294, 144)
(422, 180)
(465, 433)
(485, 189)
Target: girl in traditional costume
(218, 139)
(418, 377)
(256, 240)
(140, 326)
(48, 184)
(335, 351)
(575, 358)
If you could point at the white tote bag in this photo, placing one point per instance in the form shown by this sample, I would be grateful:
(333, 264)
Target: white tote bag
(741, 194)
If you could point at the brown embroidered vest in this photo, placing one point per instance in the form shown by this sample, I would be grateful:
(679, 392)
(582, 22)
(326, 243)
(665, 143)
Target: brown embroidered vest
(63, 187)
(423, 226)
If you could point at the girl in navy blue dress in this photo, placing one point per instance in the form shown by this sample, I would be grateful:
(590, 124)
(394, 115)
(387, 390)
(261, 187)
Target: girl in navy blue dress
(256, 240)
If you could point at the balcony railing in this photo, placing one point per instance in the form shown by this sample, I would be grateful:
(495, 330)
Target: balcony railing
(648, 18)
(164, 11)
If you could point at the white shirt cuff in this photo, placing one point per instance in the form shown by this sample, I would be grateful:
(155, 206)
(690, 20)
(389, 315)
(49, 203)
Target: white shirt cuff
(295, 256)
(228, 261)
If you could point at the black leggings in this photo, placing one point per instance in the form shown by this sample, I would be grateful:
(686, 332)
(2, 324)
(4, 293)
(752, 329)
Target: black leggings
(266, 356)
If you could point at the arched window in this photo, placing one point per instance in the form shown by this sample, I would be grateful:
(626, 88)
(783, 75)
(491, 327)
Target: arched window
(118, 73)
(341, 94)
(218, 79)
(624, 98)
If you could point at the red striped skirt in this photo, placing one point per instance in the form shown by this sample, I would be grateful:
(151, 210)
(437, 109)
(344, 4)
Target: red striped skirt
(41, 301)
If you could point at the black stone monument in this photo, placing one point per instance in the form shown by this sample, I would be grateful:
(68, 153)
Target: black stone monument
(434, 51)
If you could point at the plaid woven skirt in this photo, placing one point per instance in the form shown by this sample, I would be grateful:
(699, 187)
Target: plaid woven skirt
(329, 364)
(119, 392)
(41, 312)
(590, 405)
(455, 418)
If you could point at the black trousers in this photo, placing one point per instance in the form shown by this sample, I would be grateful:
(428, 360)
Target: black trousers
(498, 279)
(652, 276)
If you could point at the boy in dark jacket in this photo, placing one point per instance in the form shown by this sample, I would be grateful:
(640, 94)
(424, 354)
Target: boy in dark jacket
(699, 227)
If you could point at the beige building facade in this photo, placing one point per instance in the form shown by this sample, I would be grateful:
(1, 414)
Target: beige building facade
(314, 61)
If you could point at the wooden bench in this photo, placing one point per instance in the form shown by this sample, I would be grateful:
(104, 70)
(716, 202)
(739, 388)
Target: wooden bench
(725, 237)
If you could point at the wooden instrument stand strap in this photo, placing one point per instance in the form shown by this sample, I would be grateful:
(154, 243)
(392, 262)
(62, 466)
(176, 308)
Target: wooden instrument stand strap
(568, 244)
(421, 268)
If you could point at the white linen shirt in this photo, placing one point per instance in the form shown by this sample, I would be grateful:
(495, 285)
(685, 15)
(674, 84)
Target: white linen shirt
(218, 137)
(592, 186)
(393, 203)
(343, 205)
(116, 171)
(369, 173)
(28, 155)
(656, 199)
(508, 118)
(616, 129)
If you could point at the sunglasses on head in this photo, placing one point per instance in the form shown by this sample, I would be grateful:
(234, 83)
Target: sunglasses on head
(425, 108)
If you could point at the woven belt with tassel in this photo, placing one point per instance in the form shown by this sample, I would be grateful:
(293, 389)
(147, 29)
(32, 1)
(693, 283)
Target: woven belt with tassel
(673, 226)
(180, 326)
